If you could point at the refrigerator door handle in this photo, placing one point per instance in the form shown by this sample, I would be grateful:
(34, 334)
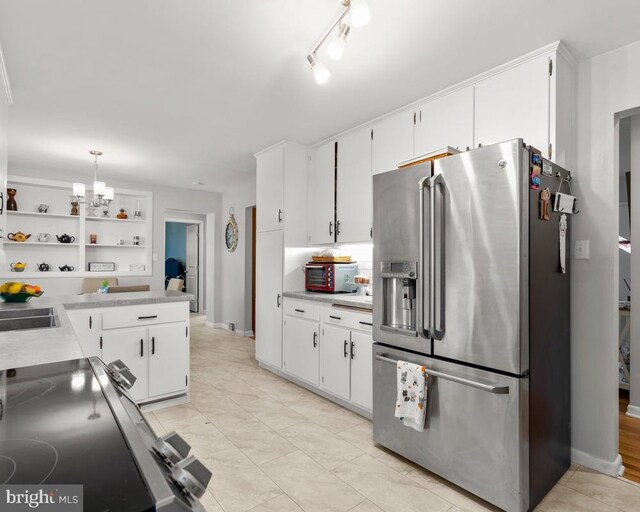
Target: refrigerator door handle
(422, 275)
(437, 286)
(497, 390)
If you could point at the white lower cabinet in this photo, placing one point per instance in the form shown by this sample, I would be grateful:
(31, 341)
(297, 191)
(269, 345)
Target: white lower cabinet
(332, 353)
(131, 347)
(301, 354)
(87, 324)
(168, 358)
(334, 360)
(361, 352)
(152, 340)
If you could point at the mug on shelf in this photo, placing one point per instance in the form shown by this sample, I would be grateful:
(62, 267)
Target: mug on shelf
(93, 238)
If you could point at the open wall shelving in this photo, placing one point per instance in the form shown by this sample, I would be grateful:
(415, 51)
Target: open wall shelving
(114, 236)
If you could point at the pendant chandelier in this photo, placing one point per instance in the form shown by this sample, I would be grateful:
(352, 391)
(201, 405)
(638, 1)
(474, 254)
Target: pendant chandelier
(102, 195)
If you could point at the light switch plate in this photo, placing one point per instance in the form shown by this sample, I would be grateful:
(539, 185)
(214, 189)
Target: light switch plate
(581, 251)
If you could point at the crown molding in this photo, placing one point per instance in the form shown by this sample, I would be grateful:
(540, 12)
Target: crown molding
(5, 78)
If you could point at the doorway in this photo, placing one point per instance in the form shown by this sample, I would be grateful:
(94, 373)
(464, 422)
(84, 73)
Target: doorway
(629, 273)
(184, 258)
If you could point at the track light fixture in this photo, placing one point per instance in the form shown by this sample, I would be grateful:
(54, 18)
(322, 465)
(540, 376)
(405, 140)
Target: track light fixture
(360, 16)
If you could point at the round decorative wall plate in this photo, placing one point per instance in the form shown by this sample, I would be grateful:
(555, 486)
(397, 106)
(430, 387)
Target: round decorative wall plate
(231, 234)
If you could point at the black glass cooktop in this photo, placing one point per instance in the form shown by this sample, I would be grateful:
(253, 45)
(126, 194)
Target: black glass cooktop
(56, 427)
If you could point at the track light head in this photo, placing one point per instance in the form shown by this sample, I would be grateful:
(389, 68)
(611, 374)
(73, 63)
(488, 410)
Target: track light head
(335, 50)
(360, 14)
(320, 71)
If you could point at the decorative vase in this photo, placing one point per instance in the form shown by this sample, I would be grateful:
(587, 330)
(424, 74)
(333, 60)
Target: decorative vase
(74, 208)
(11, 202)
(122, 214)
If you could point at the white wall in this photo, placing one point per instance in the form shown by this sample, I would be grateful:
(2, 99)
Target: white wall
(4, 137)
(234, 289)
(606, 84)
(168, 202)
(634, 403)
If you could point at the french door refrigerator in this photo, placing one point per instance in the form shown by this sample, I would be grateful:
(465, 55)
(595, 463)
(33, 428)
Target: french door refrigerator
(470, 282)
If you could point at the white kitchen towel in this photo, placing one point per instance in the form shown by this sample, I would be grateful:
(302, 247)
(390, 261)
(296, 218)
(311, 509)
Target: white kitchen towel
(411, 402)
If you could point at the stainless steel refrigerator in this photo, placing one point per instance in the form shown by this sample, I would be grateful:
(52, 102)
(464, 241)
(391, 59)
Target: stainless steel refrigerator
(470, 282)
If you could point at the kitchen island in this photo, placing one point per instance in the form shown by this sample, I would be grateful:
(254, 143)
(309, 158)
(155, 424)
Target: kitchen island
(148, 331)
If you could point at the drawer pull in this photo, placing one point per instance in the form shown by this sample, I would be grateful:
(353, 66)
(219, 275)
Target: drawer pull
(335, 317)
(370, 324)
(299, 310)
(149, 317)
(498, 390)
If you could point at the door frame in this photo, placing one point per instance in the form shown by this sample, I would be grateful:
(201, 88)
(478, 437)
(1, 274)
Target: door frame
(201, 256)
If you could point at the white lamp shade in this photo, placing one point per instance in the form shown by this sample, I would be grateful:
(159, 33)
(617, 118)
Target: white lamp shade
(78, 189)
(360, 14)
(335, 50)
(108, 194)
(320, 72)
(99, 188)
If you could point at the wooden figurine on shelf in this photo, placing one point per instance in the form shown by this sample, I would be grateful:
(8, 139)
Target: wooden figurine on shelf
(74, 208)
(11, 202)
(122, 214)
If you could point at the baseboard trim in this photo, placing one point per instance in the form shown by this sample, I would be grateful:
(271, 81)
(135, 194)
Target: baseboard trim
(222, 325)
(633, 411)
(611, 468)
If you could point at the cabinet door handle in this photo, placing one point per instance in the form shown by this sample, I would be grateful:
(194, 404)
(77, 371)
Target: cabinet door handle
(370, 324)
(280, 215)
(141, 348)
(153, 345)
(353, 352)
(90, 322)
(1, 203)
(345, 348)
(330, 228)
(315, 339)
(335, 317)
(100, 342)
(148, 317)
(278, 300)
(337, 228)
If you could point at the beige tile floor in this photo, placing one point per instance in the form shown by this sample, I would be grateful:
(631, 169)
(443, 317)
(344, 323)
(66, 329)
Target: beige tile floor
(276, 447)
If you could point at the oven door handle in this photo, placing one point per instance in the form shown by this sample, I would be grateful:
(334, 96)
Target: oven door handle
(497, 390)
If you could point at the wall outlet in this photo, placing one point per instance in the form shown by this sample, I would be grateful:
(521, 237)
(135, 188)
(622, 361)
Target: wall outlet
(581, 251)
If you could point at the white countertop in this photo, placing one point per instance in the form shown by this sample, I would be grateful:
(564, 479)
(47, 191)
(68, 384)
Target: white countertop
(341, 299)
(39, 346)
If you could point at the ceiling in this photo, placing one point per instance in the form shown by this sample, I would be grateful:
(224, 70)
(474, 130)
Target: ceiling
(179, 91)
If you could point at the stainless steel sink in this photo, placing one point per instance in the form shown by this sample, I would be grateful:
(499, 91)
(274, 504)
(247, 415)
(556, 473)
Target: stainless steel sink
(27, 318)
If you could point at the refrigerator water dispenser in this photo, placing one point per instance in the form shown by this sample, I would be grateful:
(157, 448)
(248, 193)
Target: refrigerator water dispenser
(399, 295)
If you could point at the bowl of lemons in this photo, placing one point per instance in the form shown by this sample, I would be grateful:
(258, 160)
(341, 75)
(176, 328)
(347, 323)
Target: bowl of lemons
(19, 292)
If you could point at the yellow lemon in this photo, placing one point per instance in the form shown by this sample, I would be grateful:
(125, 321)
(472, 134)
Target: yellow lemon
(15, 288)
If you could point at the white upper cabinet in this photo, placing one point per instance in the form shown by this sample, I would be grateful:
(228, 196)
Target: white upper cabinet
(445, 121)
(354, 204)
(515, 104)
(322, 177)
(270, 189)
(392, 141)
